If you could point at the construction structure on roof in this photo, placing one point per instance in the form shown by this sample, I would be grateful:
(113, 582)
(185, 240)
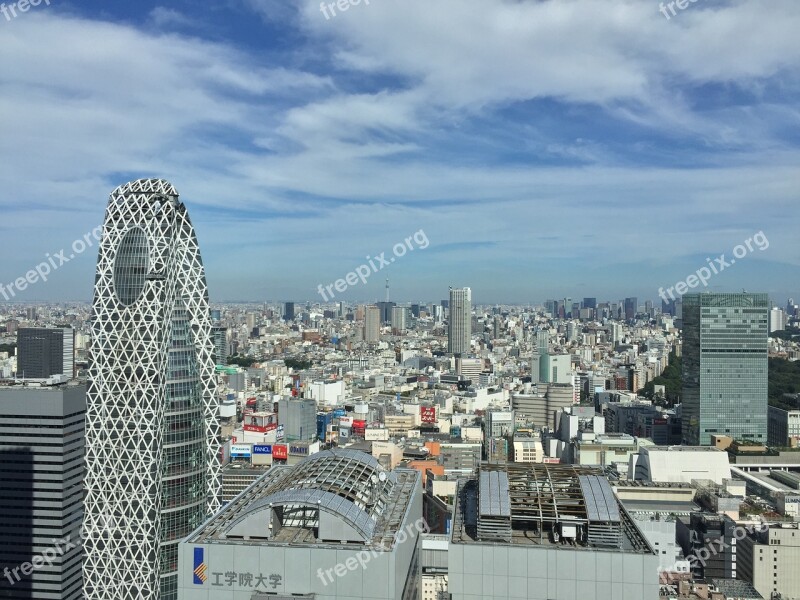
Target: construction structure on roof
(529, 530)
(546, 504)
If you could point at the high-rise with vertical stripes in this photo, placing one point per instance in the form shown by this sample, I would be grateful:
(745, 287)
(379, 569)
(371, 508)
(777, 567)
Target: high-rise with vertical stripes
(152, 439)
(41, 490)
(459, 323)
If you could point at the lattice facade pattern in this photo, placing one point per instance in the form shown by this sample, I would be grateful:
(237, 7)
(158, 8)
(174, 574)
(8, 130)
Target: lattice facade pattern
(152, 436)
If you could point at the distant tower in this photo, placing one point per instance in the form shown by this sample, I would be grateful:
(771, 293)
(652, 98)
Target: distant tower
(459, 330)
(387, 290)
(372, 324)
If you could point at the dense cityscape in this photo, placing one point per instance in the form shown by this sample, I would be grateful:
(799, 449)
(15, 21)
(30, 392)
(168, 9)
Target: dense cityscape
(400, 300)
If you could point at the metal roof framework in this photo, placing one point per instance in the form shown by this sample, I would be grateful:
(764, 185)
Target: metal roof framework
(349, 484)
(547, 493)
(545, 498)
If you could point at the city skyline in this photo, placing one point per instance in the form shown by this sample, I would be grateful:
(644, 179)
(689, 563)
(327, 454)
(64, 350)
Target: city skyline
(298, 136)
(458, 300)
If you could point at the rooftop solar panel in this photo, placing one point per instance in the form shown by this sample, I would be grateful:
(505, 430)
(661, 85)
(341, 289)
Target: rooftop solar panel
(494, 496)
(601, 504)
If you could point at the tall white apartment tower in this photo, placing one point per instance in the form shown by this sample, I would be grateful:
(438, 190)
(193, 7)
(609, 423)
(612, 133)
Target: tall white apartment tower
(459, 328)
(152, 430)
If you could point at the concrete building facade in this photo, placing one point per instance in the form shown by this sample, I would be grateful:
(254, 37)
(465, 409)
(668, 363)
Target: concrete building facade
(298, 417)
(769, 560)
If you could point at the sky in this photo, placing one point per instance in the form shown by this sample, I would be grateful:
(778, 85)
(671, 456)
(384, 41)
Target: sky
(546, 149)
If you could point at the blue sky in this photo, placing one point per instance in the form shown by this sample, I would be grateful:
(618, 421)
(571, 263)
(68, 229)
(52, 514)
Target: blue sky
(547, 149)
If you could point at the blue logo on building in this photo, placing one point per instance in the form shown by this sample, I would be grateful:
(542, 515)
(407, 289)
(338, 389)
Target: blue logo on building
(200, 567)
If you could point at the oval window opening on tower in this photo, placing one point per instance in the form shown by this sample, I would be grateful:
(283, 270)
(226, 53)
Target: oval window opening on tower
(131, 265)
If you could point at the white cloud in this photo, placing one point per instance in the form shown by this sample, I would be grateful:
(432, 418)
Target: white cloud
(365, 150)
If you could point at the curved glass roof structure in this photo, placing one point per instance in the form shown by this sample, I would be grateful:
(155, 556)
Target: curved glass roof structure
(307, 501)
(349, 484)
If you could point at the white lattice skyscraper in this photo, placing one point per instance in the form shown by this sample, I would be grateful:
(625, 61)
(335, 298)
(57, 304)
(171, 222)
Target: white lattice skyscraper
(152, 439)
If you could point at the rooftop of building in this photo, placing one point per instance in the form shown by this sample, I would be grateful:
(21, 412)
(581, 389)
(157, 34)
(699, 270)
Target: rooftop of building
(544, 505)
(682, 449)
(664, 507)
(632, 483)
(55, 382)
(342, 486)
(735, 588)
(243, 468)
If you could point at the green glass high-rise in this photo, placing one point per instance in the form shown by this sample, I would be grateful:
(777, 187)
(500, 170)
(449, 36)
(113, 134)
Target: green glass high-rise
(725, 349)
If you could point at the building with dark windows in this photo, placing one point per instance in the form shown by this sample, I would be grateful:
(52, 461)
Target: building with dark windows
(219, 337)
(41, 490)
(725, 349)
(45, 351)
(631, 307)
(152, 439)
(386, 310)
(783, 422)
(288, 311)
(335, 525)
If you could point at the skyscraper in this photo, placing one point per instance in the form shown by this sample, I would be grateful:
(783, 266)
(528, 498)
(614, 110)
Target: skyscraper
(219, 337)
(45, 351)
(288, 311)
(459, 323)
(386, 310)
(631, 308)
(372, 324)
(400, 317)
(41, 478)
(725, 366)
(152, 434)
